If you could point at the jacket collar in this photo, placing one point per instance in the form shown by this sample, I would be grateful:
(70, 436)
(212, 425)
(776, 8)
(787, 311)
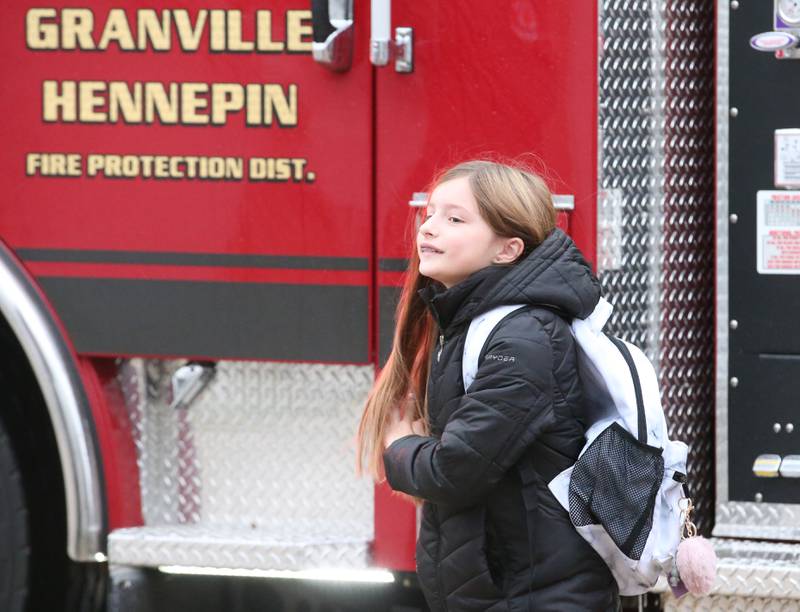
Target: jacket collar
(444, 303)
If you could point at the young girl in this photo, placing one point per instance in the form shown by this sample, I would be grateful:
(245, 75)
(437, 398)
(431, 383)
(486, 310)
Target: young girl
(492, 537)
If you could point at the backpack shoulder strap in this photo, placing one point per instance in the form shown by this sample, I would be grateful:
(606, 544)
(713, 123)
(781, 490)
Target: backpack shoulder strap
(641, 418)
(478, 333)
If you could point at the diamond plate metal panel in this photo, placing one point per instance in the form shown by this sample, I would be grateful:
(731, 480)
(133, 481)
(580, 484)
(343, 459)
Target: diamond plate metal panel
(750, 519)
(729, 604)
(656, 140)
(630, 145)
(191, 545)
(750, 576)
(257, 471)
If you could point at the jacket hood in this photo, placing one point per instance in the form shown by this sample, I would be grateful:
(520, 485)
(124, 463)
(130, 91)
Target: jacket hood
(554, 274)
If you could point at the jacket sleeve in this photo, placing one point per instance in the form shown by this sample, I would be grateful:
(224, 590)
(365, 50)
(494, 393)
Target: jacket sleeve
(506, 406)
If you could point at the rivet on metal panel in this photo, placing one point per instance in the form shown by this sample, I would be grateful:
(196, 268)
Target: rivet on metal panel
(734, 111)
(734, 218)
(734, 381)
(734, 324)
(789, 427)
(759, 498)
(734, 5)
(776, 428)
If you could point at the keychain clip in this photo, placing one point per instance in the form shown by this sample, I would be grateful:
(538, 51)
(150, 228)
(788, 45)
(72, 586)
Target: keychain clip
(688, 528)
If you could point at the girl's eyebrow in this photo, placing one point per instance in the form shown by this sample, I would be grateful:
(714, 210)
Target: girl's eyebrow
(446, 206)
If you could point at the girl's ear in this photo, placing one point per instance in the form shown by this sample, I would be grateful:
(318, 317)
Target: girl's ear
(512, 248)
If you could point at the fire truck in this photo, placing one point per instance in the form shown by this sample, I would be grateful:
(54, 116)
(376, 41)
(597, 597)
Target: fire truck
(207, 212)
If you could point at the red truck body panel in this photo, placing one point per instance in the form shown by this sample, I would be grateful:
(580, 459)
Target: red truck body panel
(289, 269)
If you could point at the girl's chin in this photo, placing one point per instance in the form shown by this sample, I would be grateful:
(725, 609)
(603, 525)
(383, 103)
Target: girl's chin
(428, 272)
(435, 277)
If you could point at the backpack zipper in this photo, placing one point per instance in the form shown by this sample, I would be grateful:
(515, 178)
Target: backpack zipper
(441, 346)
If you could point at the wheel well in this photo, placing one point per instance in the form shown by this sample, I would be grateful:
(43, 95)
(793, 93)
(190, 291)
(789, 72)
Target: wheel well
(53, 577)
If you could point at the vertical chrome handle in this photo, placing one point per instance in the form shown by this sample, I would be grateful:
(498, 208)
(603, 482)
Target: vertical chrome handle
(381, 46)
(380, 28)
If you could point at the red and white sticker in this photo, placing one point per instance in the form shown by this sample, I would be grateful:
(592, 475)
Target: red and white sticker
(778, 227)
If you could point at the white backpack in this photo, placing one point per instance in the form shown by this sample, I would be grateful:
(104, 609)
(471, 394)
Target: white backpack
(623, 492)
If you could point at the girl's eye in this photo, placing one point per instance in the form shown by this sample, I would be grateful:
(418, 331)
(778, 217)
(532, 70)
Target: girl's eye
(448, 218)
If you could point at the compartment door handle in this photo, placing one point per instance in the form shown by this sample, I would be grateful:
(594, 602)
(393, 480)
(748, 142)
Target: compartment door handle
(332, 23)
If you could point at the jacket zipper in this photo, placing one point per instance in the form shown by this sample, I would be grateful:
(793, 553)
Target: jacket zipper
(435, 314)
(439, 581)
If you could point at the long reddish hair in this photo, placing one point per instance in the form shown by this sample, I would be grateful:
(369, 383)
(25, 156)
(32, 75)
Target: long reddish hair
(514, 202)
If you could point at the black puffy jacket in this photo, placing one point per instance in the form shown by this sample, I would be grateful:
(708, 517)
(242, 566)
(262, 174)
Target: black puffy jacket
(492, 536)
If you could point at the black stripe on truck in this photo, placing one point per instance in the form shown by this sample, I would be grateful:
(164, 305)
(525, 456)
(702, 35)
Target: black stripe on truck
(195, 259)
(388, 298)
(324, 323)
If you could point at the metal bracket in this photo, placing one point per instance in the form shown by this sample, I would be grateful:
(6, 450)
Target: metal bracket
(188, 381)
(563, 202)
(404, 49)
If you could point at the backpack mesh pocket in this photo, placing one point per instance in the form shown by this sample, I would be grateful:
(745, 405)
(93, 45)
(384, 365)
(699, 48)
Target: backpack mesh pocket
(614, 484)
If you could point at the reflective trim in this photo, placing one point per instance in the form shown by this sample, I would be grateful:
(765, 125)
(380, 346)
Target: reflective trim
(62, 388)
(722, 255)
(330, 575)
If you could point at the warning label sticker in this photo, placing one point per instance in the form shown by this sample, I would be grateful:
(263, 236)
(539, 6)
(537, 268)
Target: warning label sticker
(787, 158)
(778, 227)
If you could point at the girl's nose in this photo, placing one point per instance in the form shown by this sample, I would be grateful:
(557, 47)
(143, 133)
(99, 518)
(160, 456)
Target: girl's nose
(426, 227)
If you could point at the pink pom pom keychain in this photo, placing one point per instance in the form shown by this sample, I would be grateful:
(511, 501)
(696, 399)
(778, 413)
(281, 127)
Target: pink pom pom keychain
(695, 561)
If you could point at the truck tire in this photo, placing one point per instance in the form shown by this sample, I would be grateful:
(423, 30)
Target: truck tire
(36, 575)
(14, 549)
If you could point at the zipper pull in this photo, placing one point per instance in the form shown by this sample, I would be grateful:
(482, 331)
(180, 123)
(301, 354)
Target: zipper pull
(441, 346)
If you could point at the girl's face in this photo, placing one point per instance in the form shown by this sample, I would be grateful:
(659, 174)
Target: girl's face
(455, 241)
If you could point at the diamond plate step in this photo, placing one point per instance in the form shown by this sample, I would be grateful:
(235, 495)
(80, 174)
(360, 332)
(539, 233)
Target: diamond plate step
(236, 548)
(751, 575)
(257, 473)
